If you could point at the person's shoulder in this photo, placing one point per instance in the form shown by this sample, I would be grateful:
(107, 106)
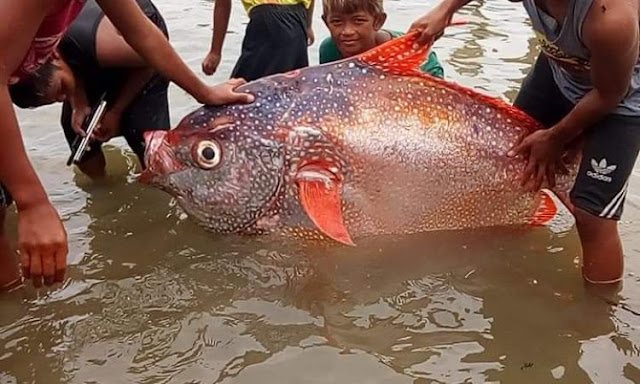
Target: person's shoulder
(611, 22)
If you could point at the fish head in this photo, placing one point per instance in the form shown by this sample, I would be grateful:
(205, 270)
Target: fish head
(224, 175)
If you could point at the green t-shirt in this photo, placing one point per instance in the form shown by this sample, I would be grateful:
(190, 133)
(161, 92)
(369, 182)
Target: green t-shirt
(329, 52)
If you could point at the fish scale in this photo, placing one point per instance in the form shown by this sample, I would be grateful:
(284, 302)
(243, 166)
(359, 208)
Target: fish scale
(366, 146)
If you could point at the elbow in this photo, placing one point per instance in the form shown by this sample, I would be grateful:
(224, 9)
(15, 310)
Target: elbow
(610, 100)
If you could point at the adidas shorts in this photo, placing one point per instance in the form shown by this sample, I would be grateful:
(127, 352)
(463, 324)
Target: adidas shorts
(610, 146)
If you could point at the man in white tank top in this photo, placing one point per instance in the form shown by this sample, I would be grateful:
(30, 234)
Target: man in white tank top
(585, 85)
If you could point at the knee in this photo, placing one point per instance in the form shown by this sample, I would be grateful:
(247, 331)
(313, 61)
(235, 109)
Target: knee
(588, 223)
(601, 248)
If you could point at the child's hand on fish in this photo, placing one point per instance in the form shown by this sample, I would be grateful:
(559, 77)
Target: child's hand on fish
(225, 93)
(543, 151)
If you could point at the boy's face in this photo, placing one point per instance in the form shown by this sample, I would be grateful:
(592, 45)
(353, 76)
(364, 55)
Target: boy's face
(354, 33)
(60, 87)
(62, 83)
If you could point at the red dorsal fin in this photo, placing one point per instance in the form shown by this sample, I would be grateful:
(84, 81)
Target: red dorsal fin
(399, 57)
(320, 194)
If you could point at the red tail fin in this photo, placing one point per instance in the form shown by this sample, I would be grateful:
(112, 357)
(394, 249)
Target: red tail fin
(546, 211)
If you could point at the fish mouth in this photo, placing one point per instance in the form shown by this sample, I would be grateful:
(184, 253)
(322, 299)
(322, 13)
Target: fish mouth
(159, 158)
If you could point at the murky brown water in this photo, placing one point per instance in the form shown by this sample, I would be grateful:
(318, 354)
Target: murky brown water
(151, 298)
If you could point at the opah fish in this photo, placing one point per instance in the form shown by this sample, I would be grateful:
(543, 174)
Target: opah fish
(365, 146)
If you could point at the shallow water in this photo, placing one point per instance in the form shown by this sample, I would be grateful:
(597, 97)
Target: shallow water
(151, 298)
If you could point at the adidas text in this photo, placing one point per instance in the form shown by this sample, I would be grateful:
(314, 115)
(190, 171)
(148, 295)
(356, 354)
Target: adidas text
(598, 176)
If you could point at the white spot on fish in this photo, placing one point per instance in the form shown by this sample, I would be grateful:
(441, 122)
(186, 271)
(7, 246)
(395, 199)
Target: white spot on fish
(329, 78)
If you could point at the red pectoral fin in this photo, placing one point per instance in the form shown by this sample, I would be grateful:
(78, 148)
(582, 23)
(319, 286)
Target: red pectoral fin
(320, 195)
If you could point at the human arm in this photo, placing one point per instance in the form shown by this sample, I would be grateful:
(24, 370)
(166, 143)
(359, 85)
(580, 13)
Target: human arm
(42, 239)
(113, 51)
(221, 15)
(614, 52)
(432, 25)
(141, 34)
(311, 38)
(109, 126)
(612, 39)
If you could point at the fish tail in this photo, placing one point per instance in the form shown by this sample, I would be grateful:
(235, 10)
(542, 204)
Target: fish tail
(552, 213)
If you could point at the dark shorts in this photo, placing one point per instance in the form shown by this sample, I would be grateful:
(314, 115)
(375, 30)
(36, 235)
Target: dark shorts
(5, 197)
(149, 111)
(275, 42)
(610, 146)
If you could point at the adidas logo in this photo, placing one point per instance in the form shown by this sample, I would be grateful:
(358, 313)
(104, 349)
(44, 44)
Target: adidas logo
(601, 170)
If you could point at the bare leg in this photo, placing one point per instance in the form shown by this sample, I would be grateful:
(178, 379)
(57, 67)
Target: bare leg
(602, 257)
(94, 167)
(9, 271)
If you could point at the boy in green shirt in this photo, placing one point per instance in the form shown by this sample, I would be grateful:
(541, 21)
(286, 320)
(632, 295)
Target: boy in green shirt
(356, 27)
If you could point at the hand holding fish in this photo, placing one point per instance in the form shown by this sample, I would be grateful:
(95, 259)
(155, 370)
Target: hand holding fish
(225, 93)
(431, 26)
(543, 151)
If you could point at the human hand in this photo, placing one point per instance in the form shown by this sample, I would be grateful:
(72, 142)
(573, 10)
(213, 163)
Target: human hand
(42, 241)
(224, 93)
(78, 116)
(210, 63)
(431, 26)
(311, 36)
(543, 151)
(109, 126)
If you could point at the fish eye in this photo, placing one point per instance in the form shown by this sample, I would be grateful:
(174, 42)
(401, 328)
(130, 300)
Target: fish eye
(207, 154)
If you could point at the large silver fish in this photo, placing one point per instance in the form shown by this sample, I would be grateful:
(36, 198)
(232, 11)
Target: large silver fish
(365, 146)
